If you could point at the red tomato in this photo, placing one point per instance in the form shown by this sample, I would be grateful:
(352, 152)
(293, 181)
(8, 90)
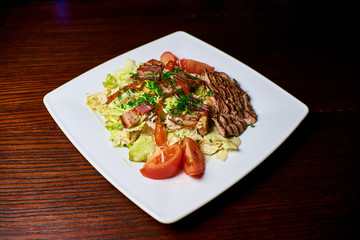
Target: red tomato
(193, 159)
(164, 163)
(132, 86)
(160, 134)
(168, 56)
(185, 87)
(115, 94)
(158, 109)
(112, 97)
(170, 65)
(192, 66)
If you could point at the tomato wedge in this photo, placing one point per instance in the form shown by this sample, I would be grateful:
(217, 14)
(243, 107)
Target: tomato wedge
(193, 158)
(185, 87)
(193, 66)
(170, 65)
(160, 134)
(168, 56)
(164, 163)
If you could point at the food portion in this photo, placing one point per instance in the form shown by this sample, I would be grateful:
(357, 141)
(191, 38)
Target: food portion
(193, 158)
(173, 113)
(232, 109)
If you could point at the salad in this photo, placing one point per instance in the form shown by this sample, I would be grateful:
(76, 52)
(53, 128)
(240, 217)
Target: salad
(161, 110)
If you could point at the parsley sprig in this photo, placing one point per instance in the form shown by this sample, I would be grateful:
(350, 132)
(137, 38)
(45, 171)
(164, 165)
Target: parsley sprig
(185, 104)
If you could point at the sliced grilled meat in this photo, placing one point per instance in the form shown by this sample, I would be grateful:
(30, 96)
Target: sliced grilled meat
(150, 70)
(233, 111)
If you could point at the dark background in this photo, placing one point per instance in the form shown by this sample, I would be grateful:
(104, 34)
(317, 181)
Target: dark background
(307, 189)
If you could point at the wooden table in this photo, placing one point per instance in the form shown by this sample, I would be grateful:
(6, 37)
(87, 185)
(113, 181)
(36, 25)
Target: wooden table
(307, 189)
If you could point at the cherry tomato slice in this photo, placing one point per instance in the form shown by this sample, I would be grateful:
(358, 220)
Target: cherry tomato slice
(160, 134)
(164, 163)
(112, 97)
(192, 66)
(158, 110)
(193, 158)
(168, 56)
(185, 87)
(170, 65)
(132, 86)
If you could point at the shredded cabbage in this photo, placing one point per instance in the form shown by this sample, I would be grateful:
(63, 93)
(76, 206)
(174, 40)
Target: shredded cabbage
(215, 144)
(96, 102)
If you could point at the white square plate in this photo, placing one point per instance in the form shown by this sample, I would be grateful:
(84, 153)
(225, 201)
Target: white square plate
(169, 200)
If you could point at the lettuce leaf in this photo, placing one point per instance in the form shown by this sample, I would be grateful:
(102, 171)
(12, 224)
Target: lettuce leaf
(121, 138)
(96, 102)
(118, 78)
(111, 82)
(142, 148)
(215, 144)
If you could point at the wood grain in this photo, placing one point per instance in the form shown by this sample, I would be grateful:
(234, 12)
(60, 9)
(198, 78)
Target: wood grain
(307, 189)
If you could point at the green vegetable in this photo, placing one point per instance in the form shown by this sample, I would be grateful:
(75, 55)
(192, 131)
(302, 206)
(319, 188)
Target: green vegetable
(170, 103)
(114, 126)
(215, 144)
(201, 90)
(111, 82)
(184, 104)
(116, 111)
(119, 77)
(153, 86)
(209, 93)
(121, 138)
(94, 102)
(177, 135)
(128, 69)
(142, 149)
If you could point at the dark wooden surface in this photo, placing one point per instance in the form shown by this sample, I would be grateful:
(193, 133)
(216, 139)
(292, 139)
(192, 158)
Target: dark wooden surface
(307, 189)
